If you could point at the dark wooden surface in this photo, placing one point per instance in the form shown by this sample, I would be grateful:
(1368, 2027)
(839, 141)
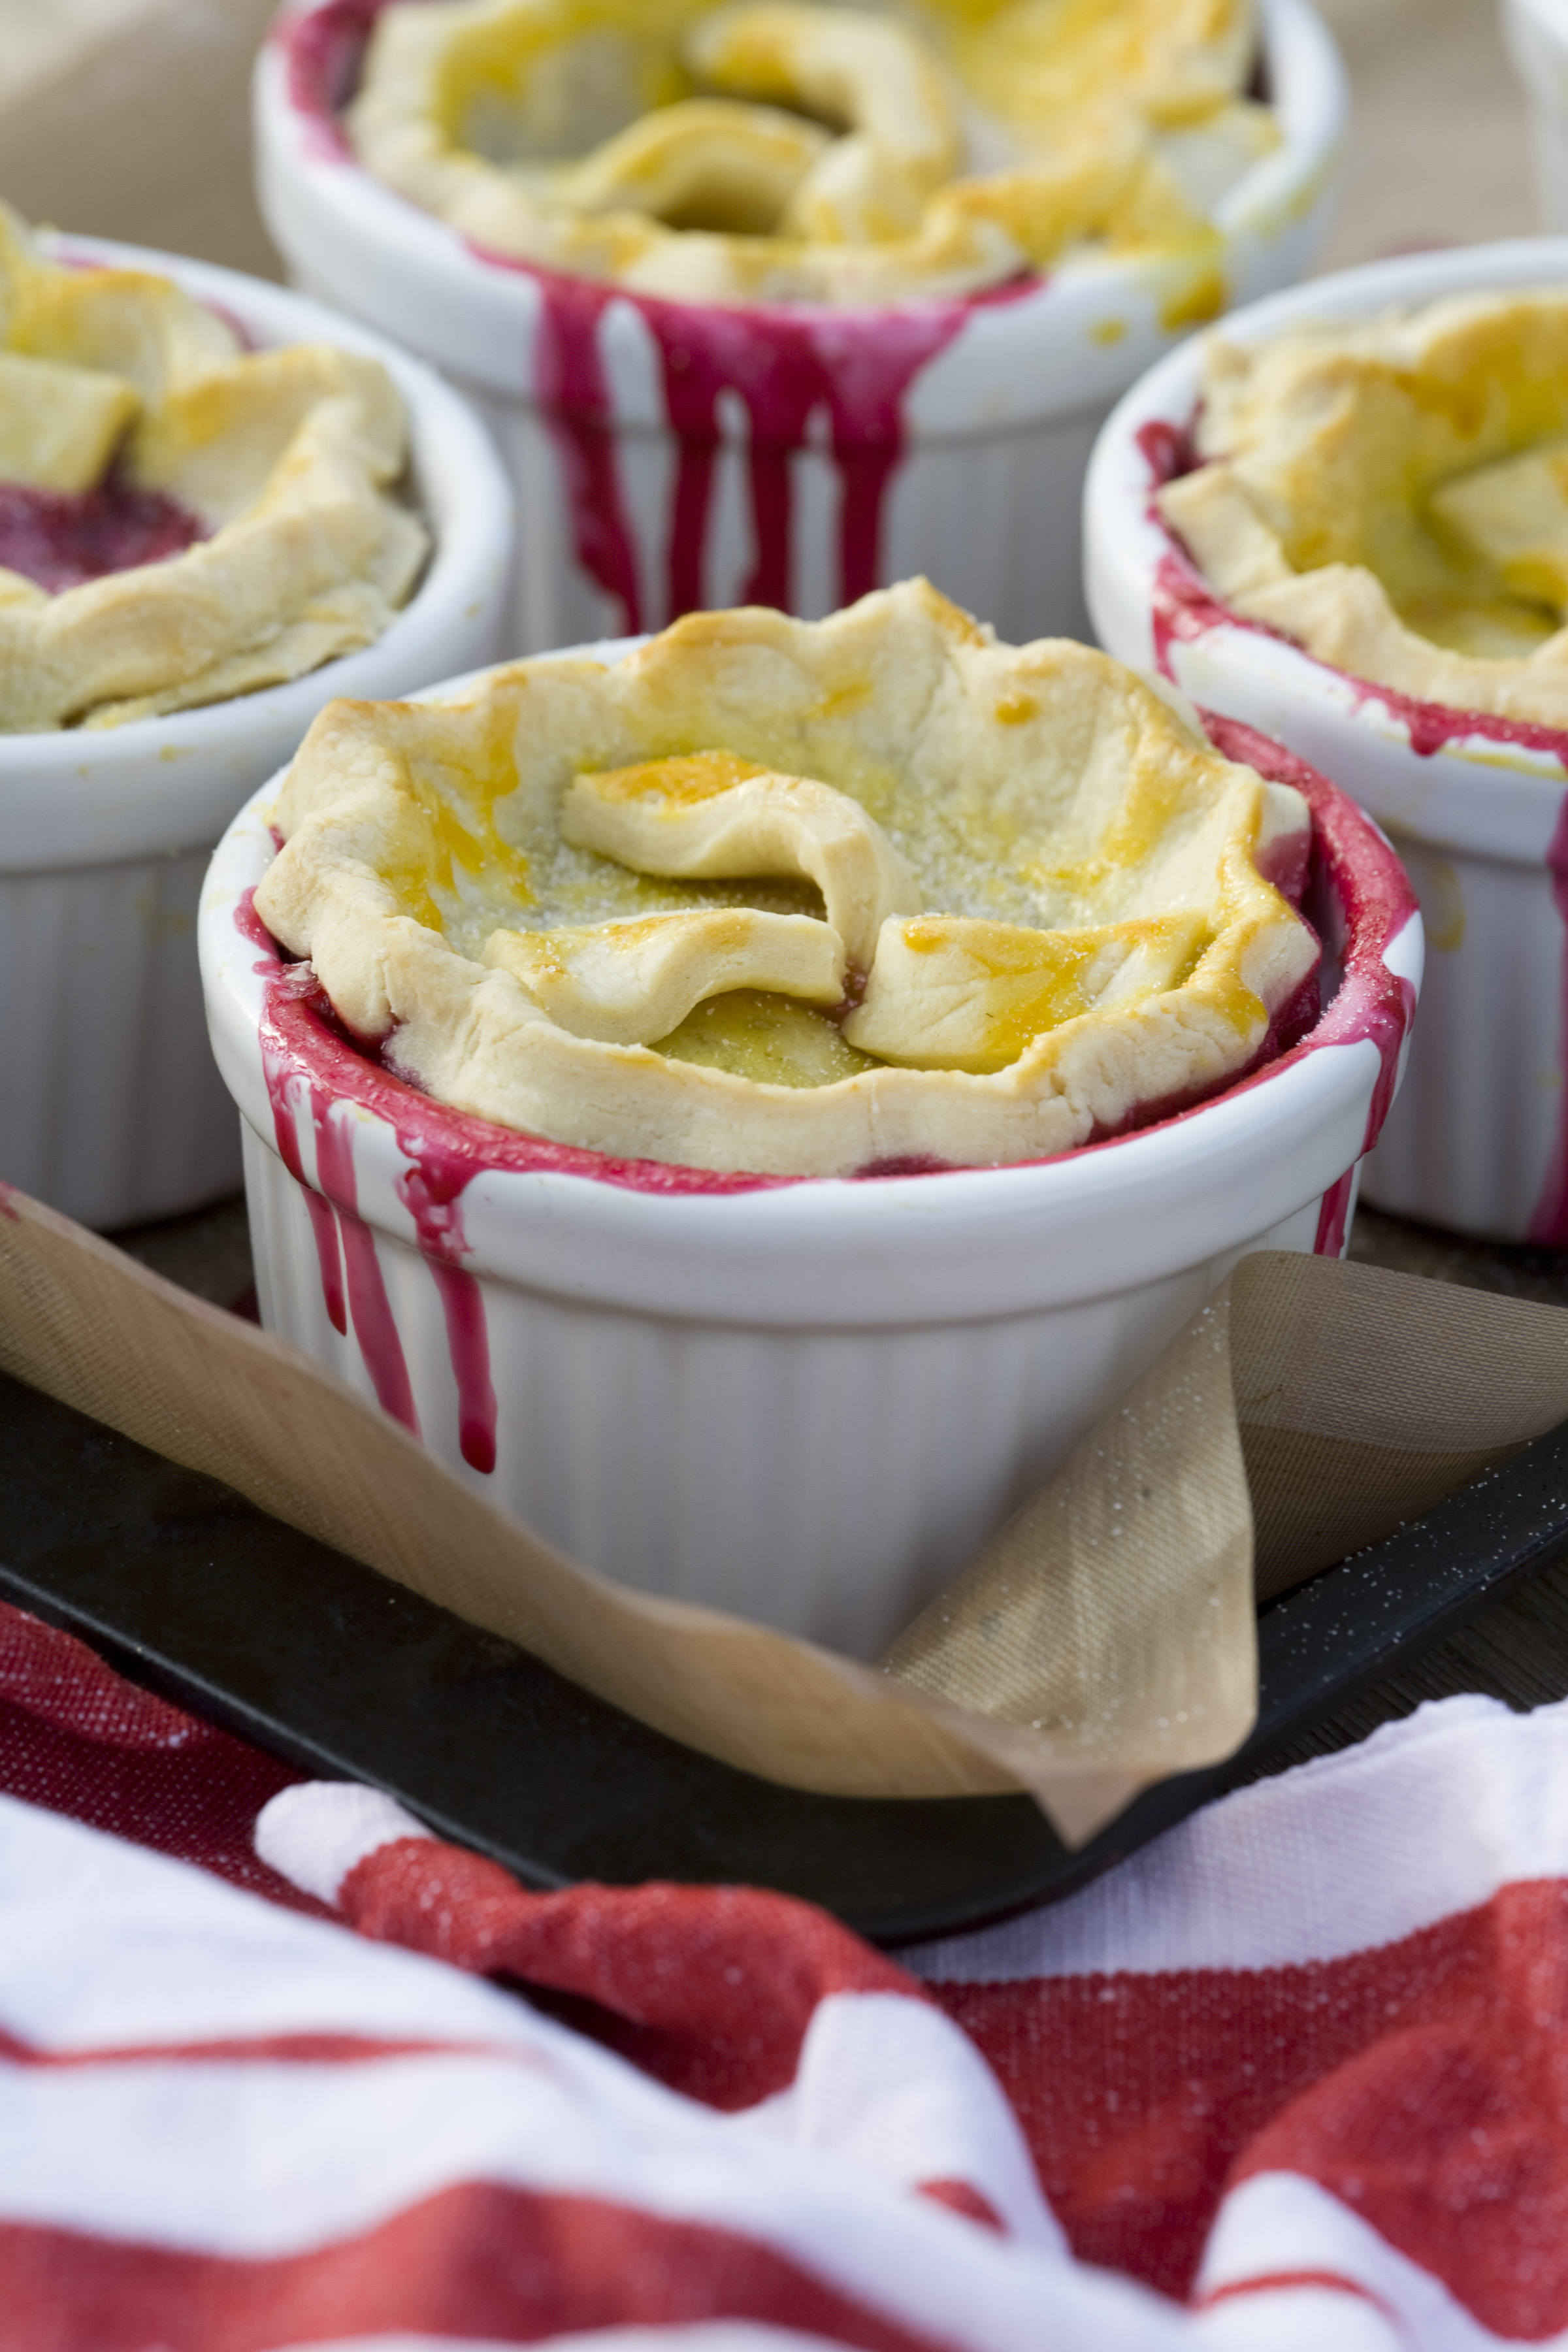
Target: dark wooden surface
(1515, 1648)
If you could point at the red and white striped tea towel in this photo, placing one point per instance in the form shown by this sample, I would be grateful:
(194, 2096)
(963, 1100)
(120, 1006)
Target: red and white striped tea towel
(1296, 2075)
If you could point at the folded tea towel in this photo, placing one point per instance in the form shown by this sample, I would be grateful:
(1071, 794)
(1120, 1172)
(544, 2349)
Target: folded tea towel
(1296, 2075)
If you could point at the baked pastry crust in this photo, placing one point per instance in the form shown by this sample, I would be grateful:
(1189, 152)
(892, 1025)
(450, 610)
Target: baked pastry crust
(287, 458)
(1042, 912)
(1394, 497)
(779, 151)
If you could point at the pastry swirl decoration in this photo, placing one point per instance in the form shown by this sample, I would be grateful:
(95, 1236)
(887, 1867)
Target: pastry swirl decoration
(797, 898)
(777, 150)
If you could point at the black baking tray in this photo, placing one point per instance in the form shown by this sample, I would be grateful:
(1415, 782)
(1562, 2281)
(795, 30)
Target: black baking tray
(190, 1589)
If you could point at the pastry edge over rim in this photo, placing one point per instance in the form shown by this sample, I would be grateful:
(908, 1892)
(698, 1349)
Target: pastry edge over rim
(307, 557)
(470, 1034)
(1235, 510)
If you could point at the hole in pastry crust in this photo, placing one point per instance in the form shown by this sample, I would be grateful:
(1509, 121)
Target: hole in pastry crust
(772, 1040)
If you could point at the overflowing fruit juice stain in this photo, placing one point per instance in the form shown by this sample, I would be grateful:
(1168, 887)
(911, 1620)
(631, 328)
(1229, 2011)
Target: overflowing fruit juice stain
(322, 55)
(1376, 902)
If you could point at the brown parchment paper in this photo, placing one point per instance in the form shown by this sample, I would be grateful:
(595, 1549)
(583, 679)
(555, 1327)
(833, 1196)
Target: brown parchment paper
(1105, 1637)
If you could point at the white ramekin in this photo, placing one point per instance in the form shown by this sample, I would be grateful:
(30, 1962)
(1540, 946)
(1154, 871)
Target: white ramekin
(809, 1403)
(1536, 32)
(111, 1106)
(1479, 1140)
(964, 460)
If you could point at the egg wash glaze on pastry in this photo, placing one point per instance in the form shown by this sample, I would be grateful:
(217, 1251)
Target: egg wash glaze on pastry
(182, 520)
(1439, 587)
(798, 898)
(1393, 496)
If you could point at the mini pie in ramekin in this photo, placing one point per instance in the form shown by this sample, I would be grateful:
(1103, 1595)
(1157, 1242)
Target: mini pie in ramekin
(808, 1399)
(182, 519)
(113, 1111)
(1344, 521)
(1393, 494)
(800, 897)
(859, 356)
(772, 151)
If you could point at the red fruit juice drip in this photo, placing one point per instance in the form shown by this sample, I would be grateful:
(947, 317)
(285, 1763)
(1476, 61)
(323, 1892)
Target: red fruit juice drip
(787, 363)
(1334, 1217)
(432, 1192)
(322, 1221)
(574, 395)
(62, 539)
(1434, 726)
(369, 1307)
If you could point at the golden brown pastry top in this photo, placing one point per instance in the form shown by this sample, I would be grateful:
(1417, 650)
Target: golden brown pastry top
(120, 394)
(795, 897)
(1394, 494)
(772, 151)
